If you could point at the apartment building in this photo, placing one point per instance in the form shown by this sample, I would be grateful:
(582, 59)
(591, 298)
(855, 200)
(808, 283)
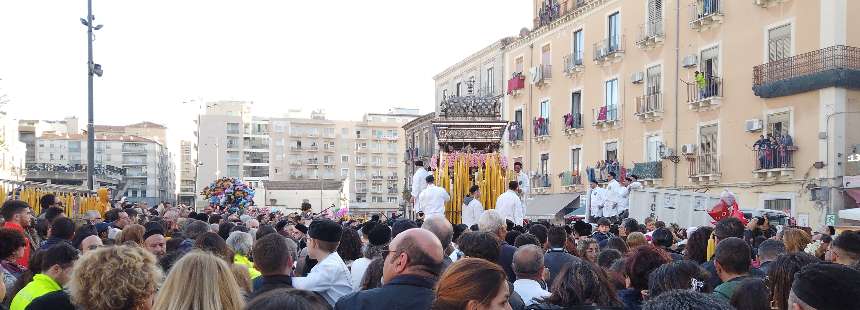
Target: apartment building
(141, 168)
(368, 153)
(29, 129)
(187, 173)
(484, 68)
(12, 151)
(681, 92)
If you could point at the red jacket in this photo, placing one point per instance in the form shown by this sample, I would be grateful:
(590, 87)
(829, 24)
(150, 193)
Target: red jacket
(17, 227)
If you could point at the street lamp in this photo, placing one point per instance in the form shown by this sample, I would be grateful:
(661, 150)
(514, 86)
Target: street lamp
(92, 69)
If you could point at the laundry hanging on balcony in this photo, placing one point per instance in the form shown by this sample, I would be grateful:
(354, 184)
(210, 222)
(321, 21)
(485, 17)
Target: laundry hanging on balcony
(601, 116)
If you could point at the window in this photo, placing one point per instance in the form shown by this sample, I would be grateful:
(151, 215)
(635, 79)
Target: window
(611, 102)
(458, 89)
(544, 109)
(779, 42)
(611, 151)
(652, 148)
(392, 161)
(518, 64)
(344, 172)
(518, 116)
(778, 204)
(376, 199)
(653, 80)
(232, 128)
(708, 139)
(575, 155)
(544, 164)
(344, 159)
(710, 61)
(578, 47)
(232, 171)
(614, 32)
(655, 12)
(545, 55)
(392, 199)
(491, 81)
(576, 103)
(779, 123)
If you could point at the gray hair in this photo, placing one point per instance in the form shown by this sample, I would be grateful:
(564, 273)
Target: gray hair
(528, 260)
(440, 227)
(491, 221)
(91, 215)
(196, 228)
(240, 242)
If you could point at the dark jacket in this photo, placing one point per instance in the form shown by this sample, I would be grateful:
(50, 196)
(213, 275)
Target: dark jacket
(631, 298)
(554, 307)
(406, 292)
(554, 259)
(714, 279)
(267, 283)
(58, 300)
(53, 241)
(506, 259)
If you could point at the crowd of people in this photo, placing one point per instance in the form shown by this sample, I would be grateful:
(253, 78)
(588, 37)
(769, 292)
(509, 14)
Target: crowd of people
(169, 257)
(774, 151)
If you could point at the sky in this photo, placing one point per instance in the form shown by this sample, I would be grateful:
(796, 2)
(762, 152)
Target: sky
(347, 57)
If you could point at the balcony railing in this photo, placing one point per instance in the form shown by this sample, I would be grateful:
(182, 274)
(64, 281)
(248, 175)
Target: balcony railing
(652, 170)
(774, 157)
(649, 106)
(650, 34)
(517, 82)
(701, 93)
(572, 121)
(573, 63)
(541, 74)
(548, 12)
(606, 115)
(704, 13)
(600, 172)
(609, 48)
(541, 126)
(515, 132)
(831, 66)
(703, 166)
(570, 178)
(541, 181)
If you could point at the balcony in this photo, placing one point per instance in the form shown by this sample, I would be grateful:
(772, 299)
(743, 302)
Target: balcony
(515, 133)
(651, 34)
(296, 162)
(541, 129)
(312, 162)
(295, 148)
(833, 66)
(541, 184)
(768, 3)
(609, 50)
(649, 107)
(548, 12)
(705, 94)
(606, 117)
(541, 75)
(377, 177)
(377, 164)
(573, 64)
(774, 161)
(600, 171)
(328, 149)
(704, 168)
(516, 83)
(571, 181)
(136, 174)
(392, 178)
(133, 149)
(572, 124)
(648, 172)
(705, 14)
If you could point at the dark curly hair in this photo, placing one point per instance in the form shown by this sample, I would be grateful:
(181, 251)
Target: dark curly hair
(580, 283)
(642, 261)
(480, 245)
(526, 238)
(10, 241)
(781, 273)
(350, 245)
(678, 275)
(697, 245)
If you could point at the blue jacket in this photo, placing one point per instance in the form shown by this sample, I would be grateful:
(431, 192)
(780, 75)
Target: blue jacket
(406, 292)
(554, 260)
(506, 259)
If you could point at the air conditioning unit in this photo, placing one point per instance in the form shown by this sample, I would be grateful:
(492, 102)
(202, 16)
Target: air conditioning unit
(690, 61)
(637, 77)
(688, 149)
(753, 125)
(666, 151)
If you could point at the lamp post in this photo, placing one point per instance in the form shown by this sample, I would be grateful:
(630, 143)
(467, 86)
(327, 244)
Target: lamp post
(92, 69)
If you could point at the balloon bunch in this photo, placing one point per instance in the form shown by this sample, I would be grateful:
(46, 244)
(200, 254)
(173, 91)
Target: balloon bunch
(230, 195)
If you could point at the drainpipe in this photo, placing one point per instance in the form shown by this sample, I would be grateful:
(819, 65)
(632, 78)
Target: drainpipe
(529, 108)
(677, 78)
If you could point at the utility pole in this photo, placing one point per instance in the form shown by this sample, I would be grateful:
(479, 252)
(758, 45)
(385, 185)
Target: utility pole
(92, 69)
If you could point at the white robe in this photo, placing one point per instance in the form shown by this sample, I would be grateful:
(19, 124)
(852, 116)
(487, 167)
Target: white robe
(472, 212)
(615, 193)
(510, 207)
(432, 200)
(598, 199)
(525, 186)
(330, 278)
(419, 183)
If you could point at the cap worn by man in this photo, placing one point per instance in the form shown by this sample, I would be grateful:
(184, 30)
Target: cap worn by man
(825, 286)
(330, 277)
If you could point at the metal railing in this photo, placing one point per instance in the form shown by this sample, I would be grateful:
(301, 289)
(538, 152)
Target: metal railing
(608, 46)
(704, 88)
(774, 157)
(605, 114)
(649, 31)
(569, 178)
(515, 132)
(541, 126)
(541, 181)
(701, 9)
(829, 58)
(650, 103)
(573, 60)
(648, 170)
(705, 164)
(546, 71)
(572, 120)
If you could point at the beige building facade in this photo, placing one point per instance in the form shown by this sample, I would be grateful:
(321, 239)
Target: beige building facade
(680, 93)
(187, 172)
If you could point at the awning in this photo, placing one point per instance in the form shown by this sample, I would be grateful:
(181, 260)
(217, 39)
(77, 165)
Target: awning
(551, 207)
(855, 194)
(850, 214)
(578, 212)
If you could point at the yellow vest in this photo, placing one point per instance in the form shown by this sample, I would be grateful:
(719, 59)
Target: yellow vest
(244, 261)
(40, 285)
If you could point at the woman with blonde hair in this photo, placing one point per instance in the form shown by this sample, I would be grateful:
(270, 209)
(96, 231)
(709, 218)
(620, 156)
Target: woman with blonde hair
(200, 281)
(795, 239)
(118, 277)
(133, 233)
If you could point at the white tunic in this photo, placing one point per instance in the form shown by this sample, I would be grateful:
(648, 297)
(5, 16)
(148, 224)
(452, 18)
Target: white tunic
(614, 193)
(598, 199)
(433, 200)
(330, 278)
(472, 212)
(530, 291)
(523, 180)
(419, 183)
(510, 207)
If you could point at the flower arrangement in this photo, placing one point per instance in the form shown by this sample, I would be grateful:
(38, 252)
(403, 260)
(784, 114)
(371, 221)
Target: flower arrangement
(230, 195)
(812, 248)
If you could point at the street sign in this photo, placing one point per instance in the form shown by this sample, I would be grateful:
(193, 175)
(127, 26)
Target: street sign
(830, 220)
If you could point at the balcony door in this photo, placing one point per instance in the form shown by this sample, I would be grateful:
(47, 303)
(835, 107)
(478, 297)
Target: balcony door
(614, 31)
(611, 151)
(544, 164)
(710, 62)
(518, 116)
(578, 46)
(544, 109)
(611, 98)
(652, 148)
(576, 104)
